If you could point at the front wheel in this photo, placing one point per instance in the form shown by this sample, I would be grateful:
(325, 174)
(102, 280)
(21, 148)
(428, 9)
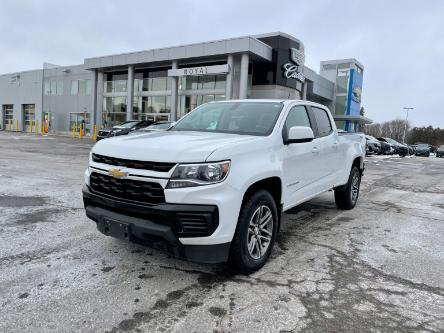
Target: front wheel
(255, 233)
(346, 196)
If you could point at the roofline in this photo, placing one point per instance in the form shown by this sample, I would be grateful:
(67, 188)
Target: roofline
(341, 61)
(186, 51)
(359, 119)
(279, 33)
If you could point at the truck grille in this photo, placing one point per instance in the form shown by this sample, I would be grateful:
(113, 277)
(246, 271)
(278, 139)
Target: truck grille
(133, 164)
(127, 189)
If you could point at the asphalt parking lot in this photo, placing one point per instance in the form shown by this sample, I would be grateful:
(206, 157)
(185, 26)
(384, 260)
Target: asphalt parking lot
(379, 267)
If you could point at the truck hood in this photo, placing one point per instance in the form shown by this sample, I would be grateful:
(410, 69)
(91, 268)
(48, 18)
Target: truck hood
(169, 146)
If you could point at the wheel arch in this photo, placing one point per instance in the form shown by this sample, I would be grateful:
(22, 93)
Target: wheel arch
(271, 184)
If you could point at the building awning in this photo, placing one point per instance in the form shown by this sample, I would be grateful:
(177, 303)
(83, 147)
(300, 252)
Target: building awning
(251, 45)
(359, 119)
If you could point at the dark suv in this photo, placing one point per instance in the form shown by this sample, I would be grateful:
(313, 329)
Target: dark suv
(440, 151)
(422, 149)
(400, 149)
(373, 145)
(123, 128)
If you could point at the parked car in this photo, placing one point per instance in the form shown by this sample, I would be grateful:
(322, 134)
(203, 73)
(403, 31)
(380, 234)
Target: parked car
(373, 145)
(386, 148)
(156, 127)
(412, 149)
(440, 151)
(213, 187)
(122, 129)
(423, 149)
(399, 148)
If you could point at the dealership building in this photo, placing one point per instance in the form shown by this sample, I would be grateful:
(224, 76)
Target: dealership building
(166, 83)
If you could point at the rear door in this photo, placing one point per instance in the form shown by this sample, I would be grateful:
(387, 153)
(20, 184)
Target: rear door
(330, 153)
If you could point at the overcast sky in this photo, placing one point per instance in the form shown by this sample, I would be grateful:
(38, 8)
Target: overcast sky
(400, 43)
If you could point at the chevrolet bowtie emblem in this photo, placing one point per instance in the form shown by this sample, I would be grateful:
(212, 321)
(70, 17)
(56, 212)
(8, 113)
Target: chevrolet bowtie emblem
(117, 173)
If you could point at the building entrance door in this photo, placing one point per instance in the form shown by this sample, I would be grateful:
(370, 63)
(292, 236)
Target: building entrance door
(79, 118)
(28, 117)
(8, 117)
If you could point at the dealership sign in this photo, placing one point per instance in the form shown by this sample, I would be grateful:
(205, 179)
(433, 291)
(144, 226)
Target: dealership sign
(202, 70)
(293, 69)
(356, 94)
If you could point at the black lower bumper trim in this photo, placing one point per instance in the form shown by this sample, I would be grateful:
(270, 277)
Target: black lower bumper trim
(152, 226)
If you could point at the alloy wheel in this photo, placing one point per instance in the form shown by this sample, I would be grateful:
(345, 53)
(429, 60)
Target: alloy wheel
(260, 232)
(355, 187)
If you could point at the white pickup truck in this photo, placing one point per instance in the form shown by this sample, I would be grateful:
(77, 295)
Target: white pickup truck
(213, 187)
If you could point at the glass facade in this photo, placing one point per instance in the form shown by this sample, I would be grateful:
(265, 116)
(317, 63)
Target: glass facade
(145, 107)
(114, 111)
(115, 86)
(341, 105)
(342, 81)
(152, 94)
(210, 82)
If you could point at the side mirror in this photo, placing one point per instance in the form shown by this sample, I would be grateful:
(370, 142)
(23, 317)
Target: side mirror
(299, 134)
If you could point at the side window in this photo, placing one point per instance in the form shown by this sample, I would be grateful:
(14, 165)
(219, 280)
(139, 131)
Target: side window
(297, 116)
(322, 121)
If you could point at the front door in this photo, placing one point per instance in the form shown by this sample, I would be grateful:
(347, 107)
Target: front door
(301, 161)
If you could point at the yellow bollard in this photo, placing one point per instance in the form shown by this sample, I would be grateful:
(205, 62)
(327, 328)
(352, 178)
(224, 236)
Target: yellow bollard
(43, 127)
(10, 125)
(36, 127)
(16, 125)
(81, 131)
(95, 133)
(30, 126)
(73, 131)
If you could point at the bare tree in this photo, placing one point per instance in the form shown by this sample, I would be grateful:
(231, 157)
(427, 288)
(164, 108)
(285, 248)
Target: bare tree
(391, 129)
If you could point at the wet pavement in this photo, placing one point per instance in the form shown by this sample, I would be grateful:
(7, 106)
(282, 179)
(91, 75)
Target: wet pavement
(379, 267)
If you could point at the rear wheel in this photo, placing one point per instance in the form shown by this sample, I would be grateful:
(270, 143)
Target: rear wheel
(346, 196)
(255, 233)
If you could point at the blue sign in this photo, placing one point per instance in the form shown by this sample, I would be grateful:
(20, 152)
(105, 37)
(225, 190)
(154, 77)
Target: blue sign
(354, 95)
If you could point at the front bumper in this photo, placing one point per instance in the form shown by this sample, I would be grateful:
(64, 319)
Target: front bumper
(158, 226)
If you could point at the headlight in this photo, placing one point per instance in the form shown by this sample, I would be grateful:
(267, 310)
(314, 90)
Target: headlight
(188, 175)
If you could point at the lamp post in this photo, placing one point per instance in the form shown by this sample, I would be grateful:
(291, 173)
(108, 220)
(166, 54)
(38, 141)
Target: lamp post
(406, 118)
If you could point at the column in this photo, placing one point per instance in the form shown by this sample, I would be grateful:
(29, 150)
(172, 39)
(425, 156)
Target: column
(243, 81)
(304, 90)
(130, 93)
(99, 99)
(229, 78)
(174, 92)
(93, 115)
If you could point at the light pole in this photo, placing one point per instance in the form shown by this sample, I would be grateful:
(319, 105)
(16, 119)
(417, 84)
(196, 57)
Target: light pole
(406, 118)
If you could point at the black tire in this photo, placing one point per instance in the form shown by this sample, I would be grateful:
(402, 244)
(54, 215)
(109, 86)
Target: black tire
(240, 256)
(347, 196)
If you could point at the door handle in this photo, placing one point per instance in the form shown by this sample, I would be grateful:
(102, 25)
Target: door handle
(315, 150)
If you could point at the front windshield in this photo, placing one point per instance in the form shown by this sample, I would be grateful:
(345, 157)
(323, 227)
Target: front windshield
(423, 146)
(441, 147)
(393, 142)
(252, 118)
